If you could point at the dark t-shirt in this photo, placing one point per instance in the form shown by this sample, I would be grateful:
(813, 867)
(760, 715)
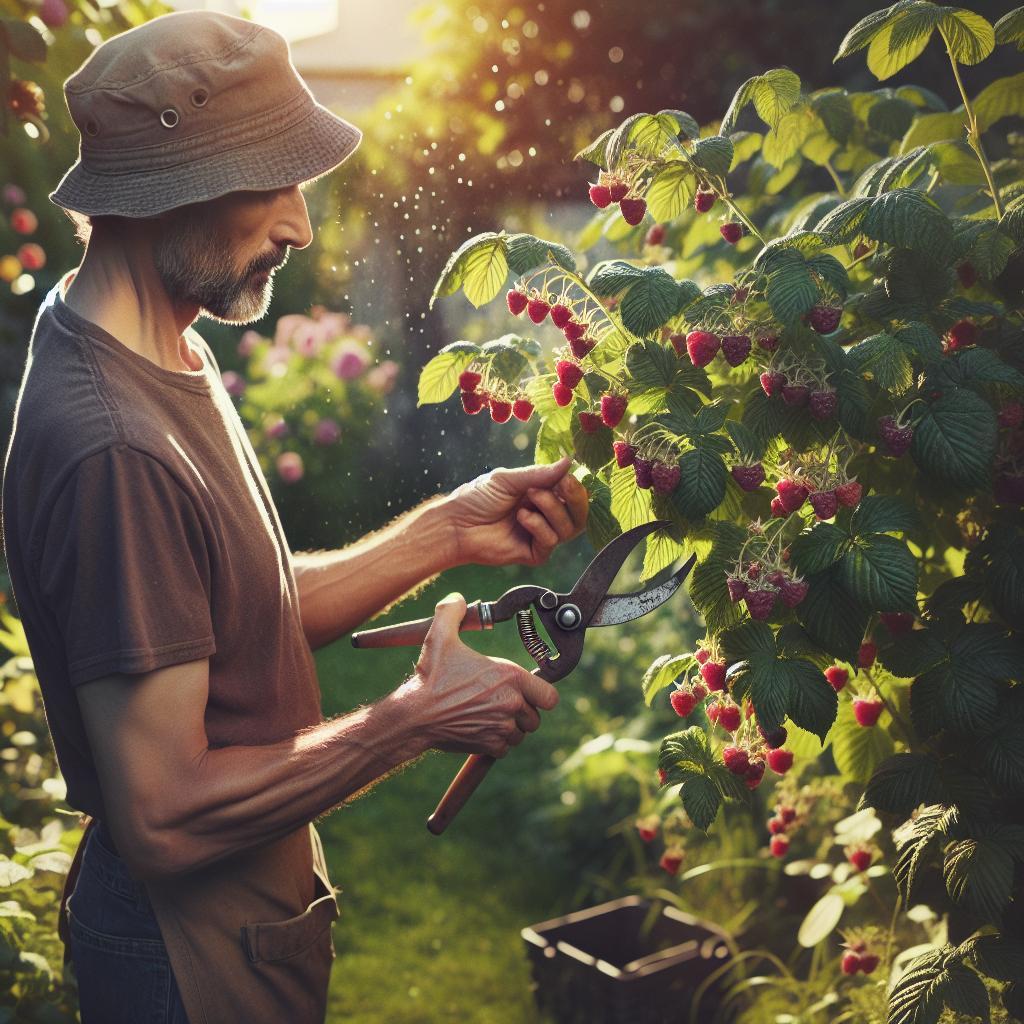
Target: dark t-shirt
(139, 532)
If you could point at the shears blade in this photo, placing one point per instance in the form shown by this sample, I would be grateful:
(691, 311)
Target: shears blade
(616, 608)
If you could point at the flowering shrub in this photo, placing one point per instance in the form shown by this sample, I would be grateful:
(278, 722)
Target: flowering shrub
(832, 420)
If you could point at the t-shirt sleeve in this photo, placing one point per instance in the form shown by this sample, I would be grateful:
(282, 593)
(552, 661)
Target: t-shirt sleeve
(124, 568)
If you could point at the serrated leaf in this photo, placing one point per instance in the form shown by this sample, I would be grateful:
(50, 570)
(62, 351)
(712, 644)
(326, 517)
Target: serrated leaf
(630, 505)
(660, 551)
(813, 703)
(881, 573)
(791, 291)
(979, 876)
(602, 526)
(1010, 28)
(649, 302)
(832, 616)
(748, 639)
(454, 274)
(596, 153)
(902, 39)
(772, 94)
(525, 252)
(440, 377)
(858, 751)
(885, 359)
(883, 513)
(954, 440)
(670, 191)
(783, 142)
(707, 581)
(700, 801)
(484, 271)
(843, 222)
(702, 483)
(902, 782)
(818, 548)
(661, 673)
(909, 219)
(713, 154)
(969, 37)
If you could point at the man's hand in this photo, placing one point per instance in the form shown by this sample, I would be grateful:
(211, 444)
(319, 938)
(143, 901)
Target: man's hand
(516, 516)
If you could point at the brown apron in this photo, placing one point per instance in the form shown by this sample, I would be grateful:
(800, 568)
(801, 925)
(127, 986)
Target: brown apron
(249, 938)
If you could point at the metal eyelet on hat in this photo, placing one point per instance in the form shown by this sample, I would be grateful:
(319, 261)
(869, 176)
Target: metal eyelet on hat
(169, 118)
(199, 97)
(91, 127)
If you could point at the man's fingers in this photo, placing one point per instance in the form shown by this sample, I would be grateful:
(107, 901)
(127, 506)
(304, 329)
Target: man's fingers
(577, 500)
(555, 511)
(539, 528)
(448, 615)
(538, 692)
(528, 719)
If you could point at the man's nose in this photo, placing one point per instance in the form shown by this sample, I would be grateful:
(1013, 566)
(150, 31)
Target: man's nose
(292, 227)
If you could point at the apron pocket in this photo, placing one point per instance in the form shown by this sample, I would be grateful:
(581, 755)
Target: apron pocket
(278, 940)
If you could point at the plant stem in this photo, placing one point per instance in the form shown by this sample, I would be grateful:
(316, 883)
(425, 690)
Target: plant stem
(728, 200)
(973, 135)
(835, 178)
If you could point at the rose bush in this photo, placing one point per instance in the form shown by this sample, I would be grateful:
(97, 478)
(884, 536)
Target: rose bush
(830, 416)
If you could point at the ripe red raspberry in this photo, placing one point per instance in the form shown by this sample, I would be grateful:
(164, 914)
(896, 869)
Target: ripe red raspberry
(713, 673)
(737, 588)
(776, 826)
(655, 234)
(868, 962)
(700, 691)
(569, 374)
(792, 494)
(866, 654)
(897, 622)
(472, 402)
(600, 196)
(749, 477)
(643, 471)
(468, 380)
(780, 761)
(754, 774)
(849, 494)
(702, 346)
(731, 231)
(618, 190)
(713, 711)
(769, 342)
(625, 453)
(860, 858)
(670, 861)
(703, 201)
(796, 394)
(837, 677)
(517, 302)
(590, 422)
(647, 832)
(678, 343)
(760, 603)
(825, 319)
(967, 274)
(824, 503)
(662, 776)
(736, 760)
(779, 846)
(792, 592)
(665, 476)
(730, 717)
(735, 348)
(522, 409)
(777, 508)
(613, 408)
(500, 410)
(633, 210)
(776, 578)
(822, 404)
(581, 346)
(896, 439)
(561, 314)
(574, 330)
(701, 655)
(1011, 415)
(682, 701)
(962, 334)
(772, 381)
(537, 310)
(563, 394)
(850, 964)
(867, 711)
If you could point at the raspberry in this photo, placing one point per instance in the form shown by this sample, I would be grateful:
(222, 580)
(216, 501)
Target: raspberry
(967, 274)
(867, 711)
(962, 334)
(517, 302)
(868, 962)
(618, 191)
(665, 476)
(701, 655)
(581, 346)
(613, 408)
(468, 380)
(796, 394)
(633, 210)
(574, 330)
(600, 196)
(662, 776)
(772, 381)
(500, 411)
(713, 673)
(713, 711)
(837, 677)
(472, 402)
(590, 422)
(731, 231)
(850, 964)
(730, 717)
(561, 314)
(737, 588)
(787, 814)
(700, 691)
(736, 760)
(774, 739)
(769, 342)
(896, 438)
(563, 395)
(792, 592)
(702, 346)
(776, 578)
(740, 295)
(537, 310)
(625, 453)
(522, 409)
(642, 469)
(670, 861)
(779, 846)
(866, 655)
(849, 494)
(792, 494)
(749, 477)
(824, 503)
(776, 826)
(655, 234)
(825, 319)
(682, 701)
(780, 761)
(897, 622)
(860, 250)
(754, 570)
(760, 603)
(678, 343)
(860, 858)
(754, 774)
(823, 404)
(778, 509)
(703, 201)
(569, 374)
(646, 832)
(735, 348)
(1011, 415)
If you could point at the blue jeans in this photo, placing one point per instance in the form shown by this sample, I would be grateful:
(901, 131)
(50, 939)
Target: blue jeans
(120, 960)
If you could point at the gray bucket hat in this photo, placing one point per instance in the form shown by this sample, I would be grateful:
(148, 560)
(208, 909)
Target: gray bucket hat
(191, 106)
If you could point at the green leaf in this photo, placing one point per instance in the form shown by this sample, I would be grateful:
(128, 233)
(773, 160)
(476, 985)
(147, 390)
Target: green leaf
(885, 359)
(818, 548)
(662, 673)
(526, 252)
(932, 981)
(649, 302)
(831, 271)
(813, 703)
(881, 573)
(969, 37)
(601, 524)
(903, 782)
(688, 750)
(670, 191)
(596, 153)
(702, 484)
(23, 41)
(660, 551)
(833, 616)
(440, 377)
(955, 440)
(902, 40)
(646, 134)
(631, 506)
(999, 99)
(922, 340)
(783, 142)
(910, 654)
(1010, 28)
(772, 94)
(651, 365)
(791, 290)
(917, 841)
(997, 956)
(701, 801)
(713, 154)
(909, 219)
(1003, 754)
(708, 591)
(835, 112)
(821, 920)
(843, 222)
(477, 261)
(979, 875)
(858, 751)
(747, 639)
(883, 513)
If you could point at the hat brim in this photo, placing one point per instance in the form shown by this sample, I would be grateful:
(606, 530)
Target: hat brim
(302, 152)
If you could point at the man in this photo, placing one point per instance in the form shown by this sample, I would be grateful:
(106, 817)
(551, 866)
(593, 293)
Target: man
(170, 625)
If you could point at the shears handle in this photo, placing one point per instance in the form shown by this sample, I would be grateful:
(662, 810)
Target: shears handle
(401, 634)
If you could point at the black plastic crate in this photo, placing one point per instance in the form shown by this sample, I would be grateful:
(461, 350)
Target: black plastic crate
(603, 966)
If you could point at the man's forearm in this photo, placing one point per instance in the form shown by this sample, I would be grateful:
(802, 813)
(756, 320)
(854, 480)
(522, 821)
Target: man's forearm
(239, 796)
(340, 590)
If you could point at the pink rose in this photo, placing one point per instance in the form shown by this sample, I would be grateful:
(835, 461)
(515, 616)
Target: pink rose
(289, 467)
(349, 364)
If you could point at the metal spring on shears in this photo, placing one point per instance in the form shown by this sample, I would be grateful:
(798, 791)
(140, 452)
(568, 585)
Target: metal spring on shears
(539, 651)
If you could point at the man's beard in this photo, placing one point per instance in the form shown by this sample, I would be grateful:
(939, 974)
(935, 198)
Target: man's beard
(194, 269)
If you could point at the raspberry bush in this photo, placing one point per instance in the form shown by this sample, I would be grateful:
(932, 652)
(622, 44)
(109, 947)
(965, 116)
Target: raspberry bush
(808, 360)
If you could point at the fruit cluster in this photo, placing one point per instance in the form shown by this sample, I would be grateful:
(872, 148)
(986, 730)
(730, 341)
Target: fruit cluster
(802, 385)
(610, 188)
(652, 467)
(858, 957)
(502, 405)
(760, 586)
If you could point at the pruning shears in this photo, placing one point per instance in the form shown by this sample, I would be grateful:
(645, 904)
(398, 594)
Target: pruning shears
(565, 617)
